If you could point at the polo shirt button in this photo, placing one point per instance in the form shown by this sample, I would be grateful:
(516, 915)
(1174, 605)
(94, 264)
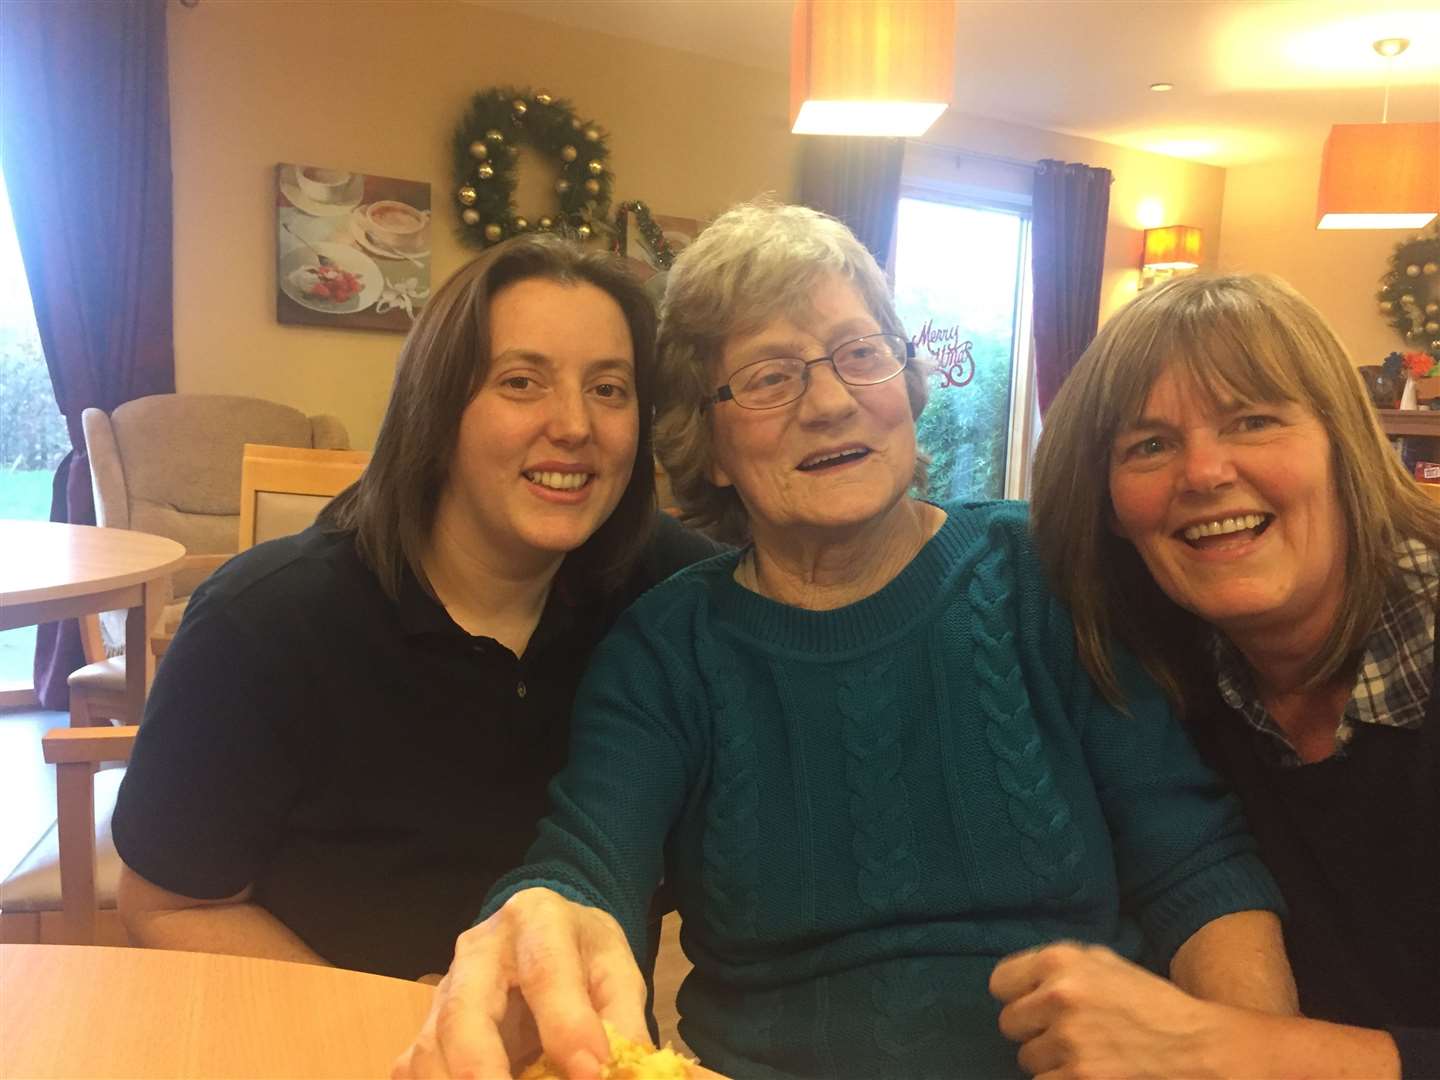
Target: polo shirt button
(520, 689)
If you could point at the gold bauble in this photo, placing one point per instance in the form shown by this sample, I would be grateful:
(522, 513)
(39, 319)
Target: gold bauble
(545, 223)
(1432, 308)
(1386, 306)
(521, 224)
(595, 167)
(495, 135)
(562, 186)
(1432, 327)
(478, 150)
(1413, 270)
(520, 107)
(1430, 267)
(592, 186)
(493, 232)
(1407, 298)
(467, 195)
(575, 123)
(543, 98)
(486, 171)
(583, 232)
(470, 217)
(568, 153)
(592, 134)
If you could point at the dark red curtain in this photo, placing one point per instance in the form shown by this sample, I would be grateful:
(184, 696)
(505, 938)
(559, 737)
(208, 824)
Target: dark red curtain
(856, 179)
(1070, 209)
(86, 153)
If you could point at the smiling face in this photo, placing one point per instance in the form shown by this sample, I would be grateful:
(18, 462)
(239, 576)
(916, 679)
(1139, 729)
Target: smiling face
(840, 456)
(547, 444)
(1233, 508)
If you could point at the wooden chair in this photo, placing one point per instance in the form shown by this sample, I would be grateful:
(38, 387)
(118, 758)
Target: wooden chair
(284, 488)
(74, 870)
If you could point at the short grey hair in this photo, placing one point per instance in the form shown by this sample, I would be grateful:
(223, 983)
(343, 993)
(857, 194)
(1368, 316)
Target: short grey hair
(755, 262)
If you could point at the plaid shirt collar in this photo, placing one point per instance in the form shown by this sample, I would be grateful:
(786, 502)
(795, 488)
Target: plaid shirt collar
(1392, 686)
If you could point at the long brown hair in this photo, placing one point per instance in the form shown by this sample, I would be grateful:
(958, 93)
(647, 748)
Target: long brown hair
(442, 365)
(1248, 338)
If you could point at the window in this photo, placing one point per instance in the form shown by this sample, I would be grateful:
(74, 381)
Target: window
(33, 438)
(962, 270)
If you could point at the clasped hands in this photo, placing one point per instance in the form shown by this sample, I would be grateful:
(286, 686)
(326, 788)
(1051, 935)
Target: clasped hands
(542, 973)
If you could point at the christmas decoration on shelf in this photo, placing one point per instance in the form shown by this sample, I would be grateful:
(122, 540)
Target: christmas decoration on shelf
(1409, 297)
(652, 234)
(486, 148)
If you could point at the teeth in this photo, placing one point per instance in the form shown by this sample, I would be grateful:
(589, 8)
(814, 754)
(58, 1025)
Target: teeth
(832, 457)
(560, 481)
(1223, 525)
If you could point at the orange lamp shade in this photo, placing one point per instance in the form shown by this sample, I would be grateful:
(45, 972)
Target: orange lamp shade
(1379, 176)
(1175, 247)
(871, 67)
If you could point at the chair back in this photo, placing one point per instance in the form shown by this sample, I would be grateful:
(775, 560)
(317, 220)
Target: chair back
(283, 488)
(170, 464)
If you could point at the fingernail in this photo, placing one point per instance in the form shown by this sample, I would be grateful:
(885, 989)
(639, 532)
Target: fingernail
(583, 1066)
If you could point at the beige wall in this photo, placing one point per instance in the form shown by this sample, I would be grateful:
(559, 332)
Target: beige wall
(1187, 193)
(1269, 225)
(377, 87)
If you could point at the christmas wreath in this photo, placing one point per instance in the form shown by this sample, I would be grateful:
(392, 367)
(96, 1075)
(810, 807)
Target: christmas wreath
(487, 146)
(1410, 290)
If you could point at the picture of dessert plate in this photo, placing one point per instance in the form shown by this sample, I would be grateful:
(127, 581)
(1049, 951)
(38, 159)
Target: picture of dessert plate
(293, 266)
(350, 195)
(375, 247)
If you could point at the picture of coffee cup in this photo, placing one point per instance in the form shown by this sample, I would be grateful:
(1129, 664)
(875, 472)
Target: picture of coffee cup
(397, 225)
(323, 185)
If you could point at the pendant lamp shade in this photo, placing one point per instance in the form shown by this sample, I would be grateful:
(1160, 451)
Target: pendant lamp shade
(871, 67)
(1175, 247)
(1379, 176)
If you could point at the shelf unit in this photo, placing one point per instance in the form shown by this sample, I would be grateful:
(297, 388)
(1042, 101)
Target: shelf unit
(1410, 422)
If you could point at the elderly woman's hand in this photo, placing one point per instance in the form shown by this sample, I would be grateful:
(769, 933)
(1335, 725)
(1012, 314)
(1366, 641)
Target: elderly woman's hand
(541, 972)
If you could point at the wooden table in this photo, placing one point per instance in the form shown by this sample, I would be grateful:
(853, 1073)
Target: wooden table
(50, 571)
(85, 1011)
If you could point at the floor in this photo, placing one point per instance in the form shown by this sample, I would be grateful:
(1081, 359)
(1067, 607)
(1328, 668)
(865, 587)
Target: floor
(27, 784)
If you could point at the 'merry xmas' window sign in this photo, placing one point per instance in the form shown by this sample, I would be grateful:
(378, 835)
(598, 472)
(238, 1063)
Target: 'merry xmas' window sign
(950, 355)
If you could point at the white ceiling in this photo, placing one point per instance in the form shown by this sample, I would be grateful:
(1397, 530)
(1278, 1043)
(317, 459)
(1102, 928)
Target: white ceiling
(1254, 79)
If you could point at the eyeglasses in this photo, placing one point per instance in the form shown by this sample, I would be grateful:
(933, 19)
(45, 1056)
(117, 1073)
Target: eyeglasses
(779, 380)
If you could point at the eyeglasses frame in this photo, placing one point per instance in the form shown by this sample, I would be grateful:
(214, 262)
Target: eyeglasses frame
(724, 393)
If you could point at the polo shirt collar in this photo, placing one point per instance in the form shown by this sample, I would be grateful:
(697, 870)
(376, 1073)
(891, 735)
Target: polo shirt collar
(421, 614)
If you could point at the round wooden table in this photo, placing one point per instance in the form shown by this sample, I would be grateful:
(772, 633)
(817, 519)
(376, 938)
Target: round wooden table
(50, 571)
(85, 1011)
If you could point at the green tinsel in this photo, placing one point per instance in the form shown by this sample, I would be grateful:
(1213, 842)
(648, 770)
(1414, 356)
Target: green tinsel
(547, 124)
(653, 235)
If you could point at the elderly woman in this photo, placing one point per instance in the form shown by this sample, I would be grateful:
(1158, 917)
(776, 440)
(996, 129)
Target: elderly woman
(1213, 493)
(862, 750)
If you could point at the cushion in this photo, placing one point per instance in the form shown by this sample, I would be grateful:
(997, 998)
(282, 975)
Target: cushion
(34, 885)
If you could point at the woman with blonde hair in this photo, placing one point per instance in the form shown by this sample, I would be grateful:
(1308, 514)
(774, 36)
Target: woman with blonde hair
(1213, 494)
(860, 751)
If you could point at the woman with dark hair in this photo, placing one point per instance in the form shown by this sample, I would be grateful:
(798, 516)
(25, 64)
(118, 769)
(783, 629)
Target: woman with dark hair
(351, 735)
(1214, 495)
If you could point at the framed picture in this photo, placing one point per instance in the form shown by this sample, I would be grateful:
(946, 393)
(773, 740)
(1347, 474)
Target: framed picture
(678, 233)
(351, 249)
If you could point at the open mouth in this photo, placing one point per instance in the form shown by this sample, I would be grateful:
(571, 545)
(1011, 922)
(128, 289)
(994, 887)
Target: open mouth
(1225, 532)
(830, 460)
(560, 481)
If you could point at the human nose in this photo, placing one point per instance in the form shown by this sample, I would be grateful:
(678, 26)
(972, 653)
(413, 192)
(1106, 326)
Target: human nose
(826, 396)
(1207, 464)
(569, 420)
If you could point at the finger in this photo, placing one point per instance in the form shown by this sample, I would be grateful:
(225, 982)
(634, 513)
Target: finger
(1042, 1054)
(617, 989)
(1017, 974)
(471, 1002)
(550, 973)
(422, 1059)
(1024, 1018)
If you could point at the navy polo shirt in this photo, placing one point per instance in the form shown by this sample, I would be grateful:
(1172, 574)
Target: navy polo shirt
(368, 765)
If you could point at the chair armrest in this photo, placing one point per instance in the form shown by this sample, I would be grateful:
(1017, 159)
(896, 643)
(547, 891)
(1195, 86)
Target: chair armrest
(209, 563)
(78, 745)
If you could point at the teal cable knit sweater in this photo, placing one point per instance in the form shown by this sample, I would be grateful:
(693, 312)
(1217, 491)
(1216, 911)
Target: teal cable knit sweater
(861, 811)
